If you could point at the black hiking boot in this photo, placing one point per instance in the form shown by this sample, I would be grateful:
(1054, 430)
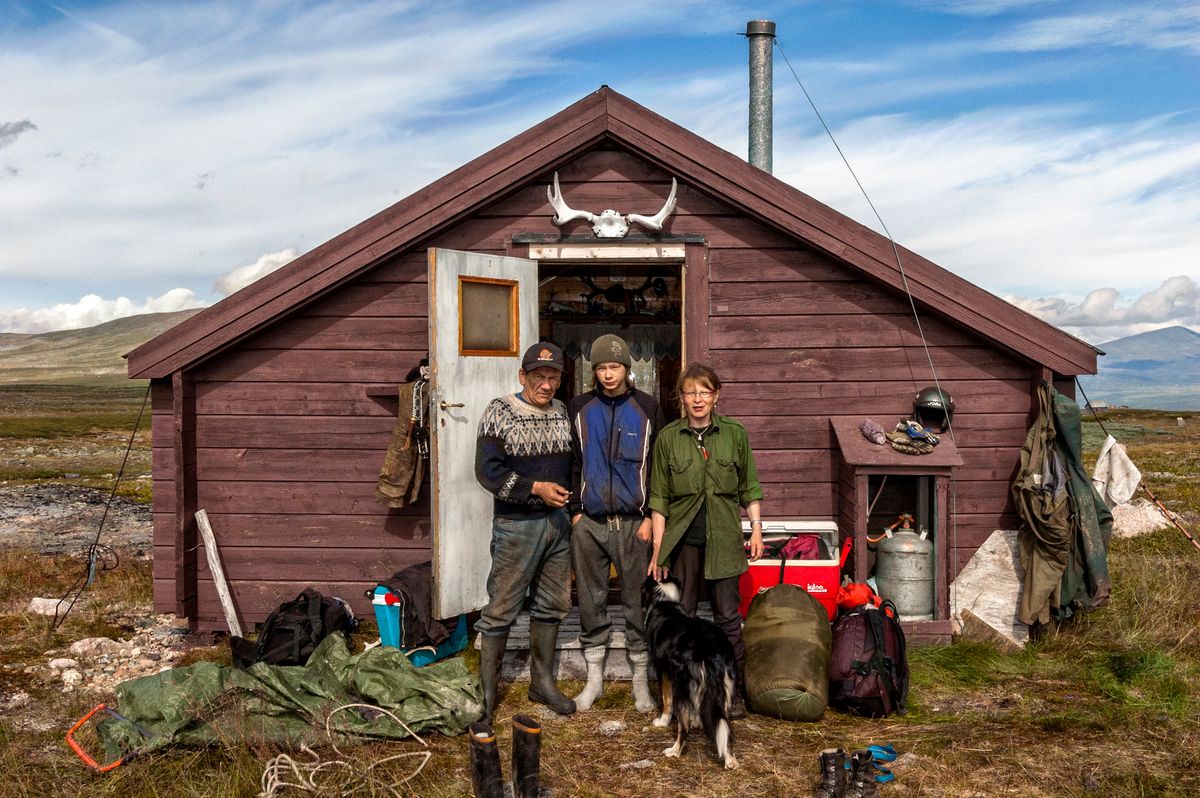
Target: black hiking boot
(833, 774)
(526, 756)
(543, 638)
(862, 775)
(486, 779)
(491, 653)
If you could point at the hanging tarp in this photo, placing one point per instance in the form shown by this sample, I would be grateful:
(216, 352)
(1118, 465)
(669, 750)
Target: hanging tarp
(207, 703)
(1065, 525)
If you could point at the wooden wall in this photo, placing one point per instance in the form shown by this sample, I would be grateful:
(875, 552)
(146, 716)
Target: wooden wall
(288, 443)
(796, 339)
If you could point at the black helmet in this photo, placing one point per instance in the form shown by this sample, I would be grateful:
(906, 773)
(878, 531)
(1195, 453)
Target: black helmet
(934, 408)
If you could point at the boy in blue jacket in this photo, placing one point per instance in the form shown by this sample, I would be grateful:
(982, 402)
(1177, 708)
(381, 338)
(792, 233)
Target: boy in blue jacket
(612, 434)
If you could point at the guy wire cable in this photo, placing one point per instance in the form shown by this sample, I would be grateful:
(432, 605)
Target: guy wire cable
(904, 279)
(89, 574)
(1163, 511)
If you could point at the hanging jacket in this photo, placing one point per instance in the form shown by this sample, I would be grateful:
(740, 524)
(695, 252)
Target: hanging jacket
(1065, 526)
(1086, 584)
(403, 465)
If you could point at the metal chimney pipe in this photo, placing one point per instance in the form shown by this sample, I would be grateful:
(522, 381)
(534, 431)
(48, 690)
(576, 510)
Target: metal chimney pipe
(761, 33)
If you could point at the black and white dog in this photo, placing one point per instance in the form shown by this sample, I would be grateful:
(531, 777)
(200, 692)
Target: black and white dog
(695, 666)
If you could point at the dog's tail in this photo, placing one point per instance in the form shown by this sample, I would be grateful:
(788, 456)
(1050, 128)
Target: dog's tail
(715, 705)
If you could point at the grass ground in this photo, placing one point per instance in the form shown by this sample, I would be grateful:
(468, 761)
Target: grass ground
(1104, 706)
(80, 434)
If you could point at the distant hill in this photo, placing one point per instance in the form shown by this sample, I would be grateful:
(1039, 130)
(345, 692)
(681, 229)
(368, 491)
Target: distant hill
(90, 356)
(1158, 370)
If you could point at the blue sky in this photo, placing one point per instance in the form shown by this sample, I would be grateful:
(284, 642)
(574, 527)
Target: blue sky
(159, 155)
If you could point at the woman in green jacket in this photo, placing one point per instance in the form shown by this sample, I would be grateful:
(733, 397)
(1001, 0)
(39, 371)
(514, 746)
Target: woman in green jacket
(703, 474)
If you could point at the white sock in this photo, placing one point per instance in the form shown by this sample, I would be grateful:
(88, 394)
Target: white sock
(643, 701)
(594, 657)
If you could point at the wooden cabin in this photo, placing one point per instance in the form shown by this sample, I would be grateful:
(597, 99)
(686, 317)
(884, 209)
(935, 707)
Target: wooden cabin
(272, 409)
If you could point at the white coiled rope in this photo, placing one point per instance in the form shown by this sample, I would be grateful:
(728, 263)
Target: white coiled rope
(337, 776)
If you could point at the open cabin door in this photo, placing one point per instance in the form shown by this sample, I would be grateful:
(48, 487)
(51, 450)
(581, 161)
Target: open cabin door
(482, 316)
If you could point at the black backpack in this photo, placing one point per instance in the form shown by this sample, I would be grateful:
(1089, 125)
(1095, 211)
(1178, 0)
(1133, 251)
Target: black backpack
(294, 629)
(868, 670)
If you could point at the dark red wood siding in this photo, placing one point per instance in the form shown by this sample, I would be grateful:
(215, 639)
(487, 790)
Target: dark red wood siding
(289, 443)
(797, 339)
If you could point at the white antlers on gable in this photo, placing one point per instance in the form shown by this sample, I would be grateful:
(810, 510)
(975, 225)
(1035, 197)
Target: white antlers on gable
(609, 223)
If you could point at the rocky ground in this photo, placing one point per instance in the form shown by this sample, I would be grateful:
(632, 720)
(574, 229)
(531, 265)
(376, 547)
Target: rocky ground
(57, 518)
(64, 519)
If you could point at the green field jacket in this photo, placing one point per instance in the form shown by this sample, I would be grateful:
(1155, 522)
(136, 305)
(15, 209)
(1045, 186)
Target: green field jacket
(681, 480)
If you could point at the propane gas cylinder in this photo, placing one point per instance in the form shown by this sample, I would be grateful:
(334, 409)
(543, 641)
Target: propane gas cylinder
(904, 568)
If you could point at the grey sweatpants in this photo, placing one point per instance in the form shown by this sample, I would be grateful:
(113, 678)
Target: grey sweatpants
(597, 543)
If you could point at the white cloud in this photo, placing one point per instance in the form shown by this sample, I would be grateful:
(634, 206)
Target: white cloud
(980, 8)
(1101, 315)
(242, 276)
(92, 310)
(177, 139)
(1152, 25)
(1019, 200)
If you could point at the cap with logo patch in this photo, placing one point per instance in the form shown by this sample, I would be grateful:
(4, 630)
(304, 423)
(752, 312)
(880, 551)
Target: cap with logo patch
(543, 355)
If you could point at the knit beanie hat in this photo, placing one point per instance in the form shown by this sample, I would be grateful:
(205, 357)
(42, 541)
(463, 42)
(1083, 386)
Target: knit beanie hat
(610, 349)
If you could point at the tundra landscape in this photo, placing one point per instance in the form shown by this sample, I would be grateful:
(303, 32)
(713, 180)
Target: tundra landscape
(1106, 705)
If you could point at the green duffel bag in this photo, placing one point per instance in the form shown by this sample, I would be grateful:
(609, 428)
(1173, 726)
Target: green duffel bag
(788, 641)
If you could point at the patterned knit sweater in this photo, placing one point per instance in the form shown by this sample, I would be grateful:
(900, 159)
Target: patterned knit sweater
(520, 444)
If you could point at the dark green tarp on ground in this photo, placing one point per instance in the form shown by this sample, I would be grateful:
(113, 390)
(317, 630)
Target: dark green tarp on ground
(1065, 524)
(788, 643)
(208, 703)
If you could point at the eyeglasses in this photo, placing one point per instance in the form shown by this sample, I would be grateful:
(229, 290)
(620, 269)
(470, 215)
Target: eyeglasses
(698, 394)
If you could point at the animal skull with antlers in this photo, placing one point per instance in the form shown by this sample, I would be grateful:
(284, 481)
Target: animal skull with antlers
(608, 223)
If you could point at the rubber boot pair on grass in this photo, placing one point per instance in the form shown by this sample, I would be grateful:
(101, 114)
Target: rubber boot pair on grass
(837, 783)
(486, 778)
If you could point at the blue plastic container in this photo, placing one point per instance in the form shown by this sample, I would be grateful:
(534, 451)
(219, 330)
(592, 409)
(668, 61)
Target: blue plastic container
(387, 615)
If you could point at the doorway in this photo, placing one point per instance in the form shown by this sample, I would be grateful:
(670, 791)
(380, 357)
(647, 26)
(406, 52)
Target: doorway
(641, 302)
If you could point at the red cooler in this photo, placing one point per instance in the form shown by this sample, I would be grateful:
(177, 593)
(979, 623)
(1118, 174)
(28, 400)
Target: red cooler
(819, 578)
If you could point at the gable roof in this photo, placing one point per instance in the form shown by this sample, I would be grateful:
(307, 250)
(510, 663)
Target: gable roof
(606, 114)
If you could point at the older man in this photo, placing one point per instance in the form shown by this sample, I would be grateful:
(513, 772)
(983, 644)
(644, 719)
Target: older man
(523, 458)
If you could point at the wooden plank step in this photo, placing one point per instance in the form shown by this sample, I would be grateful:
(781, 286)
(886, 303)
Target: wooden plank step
(568, 661)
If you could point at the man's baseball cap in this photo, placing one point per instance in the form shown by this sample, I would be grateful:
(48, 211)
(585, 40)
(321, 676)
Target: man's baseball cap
(543, 355)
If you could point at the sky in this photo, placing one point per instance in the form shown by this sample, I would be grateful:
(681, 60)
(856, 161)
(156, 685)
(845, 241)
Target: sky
(160, 155)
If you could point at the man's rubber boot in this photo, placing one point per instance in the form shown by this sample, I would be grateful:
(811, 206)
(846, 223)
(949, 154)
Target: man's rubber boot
(862, 775)
(543, 638)
(491, 654)
(486, 779)
(594, 657)
(526, 756)
(833, 774)
(643, 699)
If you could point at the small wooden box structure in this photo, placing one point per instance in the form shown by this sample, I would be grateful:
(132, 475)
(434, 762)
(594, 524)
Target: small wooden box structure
(863, 470)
